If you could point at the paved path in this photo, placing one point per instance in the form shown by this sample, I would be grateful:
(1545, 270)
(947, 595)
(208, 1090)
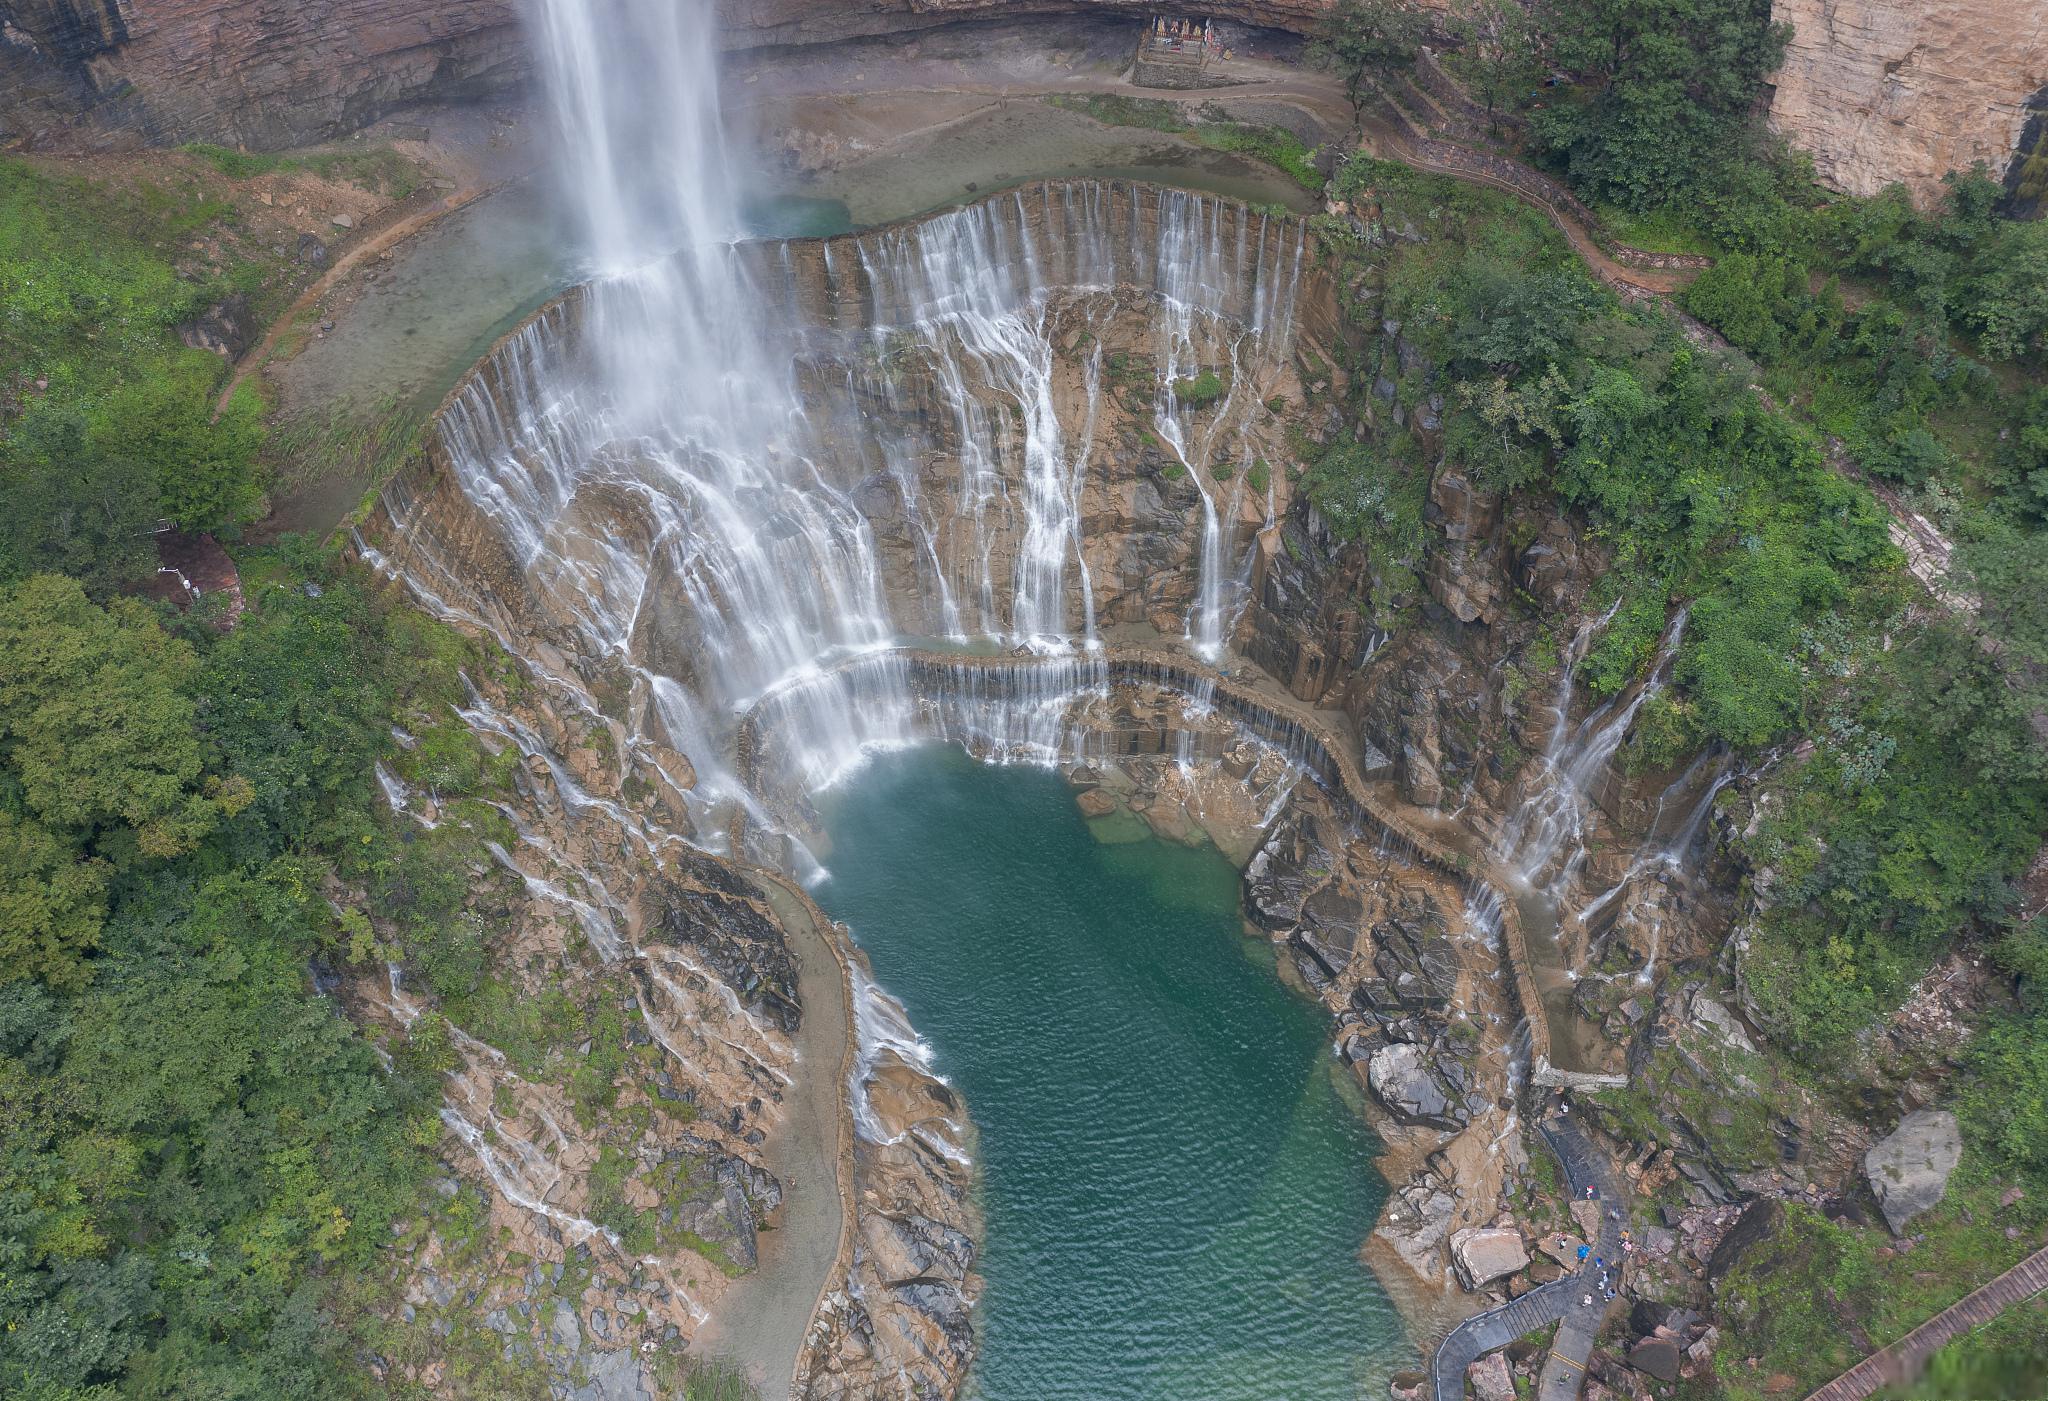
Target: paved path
(1557, 1302)
(764, 1319)
(1903, 1359)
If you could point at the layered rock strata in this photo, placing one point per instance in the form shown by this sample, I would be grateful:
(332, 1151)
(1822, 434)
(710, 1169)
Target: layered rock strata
(1878, 91)
(248, 72)
(1904, 91)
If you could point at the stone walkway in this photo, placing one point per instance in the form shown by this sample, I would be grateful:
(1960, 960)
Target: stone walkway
(1904, 1358)
(1557, 1302)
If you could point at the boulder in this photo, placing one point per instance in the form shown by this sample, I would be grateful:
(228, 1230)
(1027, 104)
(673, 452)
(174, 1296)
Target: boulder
(1483, 1254)
(1760, 1221)
(1655, 1357)
(1909, 1170)
(1403, 1079)
(1095, 803)
(226, 328)
(1490, 1378)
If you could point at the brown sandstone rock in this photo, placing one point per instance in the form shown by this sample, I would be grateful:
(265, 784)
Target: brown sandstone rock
(1906, 90)
(1490, 1378)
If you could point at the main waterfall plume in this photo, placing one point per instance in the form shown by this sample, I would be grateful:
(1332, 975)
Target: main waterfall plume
(726, 467)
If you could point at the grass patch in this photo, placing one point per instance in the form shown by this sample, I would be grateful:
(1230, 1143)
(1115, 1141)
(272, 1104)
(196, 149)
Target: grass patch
(1273, 145)
(1813, 1299)
(378, 169)
(1199, 391)
(1653, 231)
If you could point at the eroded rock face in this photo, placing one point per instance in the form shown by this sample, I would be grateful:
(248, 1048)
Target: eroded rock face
(1909, 1169)
(1906, 90)
(265, 75)
(256, 73)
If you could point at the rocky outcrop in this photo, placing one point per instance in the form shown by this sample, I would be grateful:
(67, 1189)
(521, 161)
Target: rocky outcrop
(1412, 1089)
(1909, 1169)
(763, 23)
(1877, 90)
(250, 72)
(265, 75)
(1884, 91)
(1490, 1378)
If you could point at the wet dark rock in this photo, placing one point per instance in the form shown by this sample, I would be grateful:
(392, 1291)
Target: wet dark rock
(737, 938)
(1759, 1221)
(227, 328)
(1288, 866)
(1656, 1357)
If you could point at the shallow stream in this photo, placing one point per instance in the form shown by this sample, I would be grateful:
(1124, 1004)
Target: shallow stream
(1174, 1172)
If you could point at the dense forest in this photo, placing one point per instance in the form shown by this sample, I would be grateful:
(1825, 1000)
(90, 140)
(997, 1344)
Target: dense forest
(196, 1149)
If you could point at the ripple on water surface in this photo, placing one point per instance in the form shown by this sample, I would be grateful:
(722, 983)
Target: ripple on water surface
(1175, 1185)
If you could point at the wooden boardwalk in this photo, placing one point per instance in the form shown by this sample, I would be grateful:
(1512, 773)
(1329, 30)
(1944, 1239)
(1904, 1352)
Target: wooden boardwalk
(1902, 1361)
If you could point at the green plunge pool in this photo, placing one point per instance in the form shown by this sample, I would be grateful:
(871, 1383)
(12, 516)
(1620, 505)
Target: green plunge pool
(1175, 1177)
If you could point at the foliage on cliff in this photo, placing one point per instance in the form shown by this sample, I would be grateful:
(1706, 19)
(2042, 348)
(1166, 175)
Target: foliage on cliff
(1922, 792)
(1663, 90)
(106, 416)
(196, 1147)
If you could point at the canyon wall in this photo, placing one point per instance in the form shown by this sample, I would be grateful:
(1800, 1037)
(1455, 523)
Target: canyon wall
(1031, 370)
(1882, 91)
(257, 73)
(269, 75)
(1877, 90)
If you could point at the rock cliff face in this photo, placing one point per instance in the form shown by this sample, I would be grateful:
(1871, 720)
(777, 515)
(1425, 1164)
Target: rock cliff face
(1905, 90)
(269, 75)
(256, 72)
(758, 23)
(1878, 90)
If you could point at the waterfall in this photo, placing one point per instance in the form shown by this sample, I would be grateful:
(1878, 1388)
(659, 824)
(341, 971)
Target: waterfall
(689, 473)
(1545, 834)
(709, 497)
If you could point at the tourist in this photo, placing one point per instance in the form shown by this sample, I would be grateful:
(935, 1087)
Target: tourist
(1584, 1250)
(1587, 1301)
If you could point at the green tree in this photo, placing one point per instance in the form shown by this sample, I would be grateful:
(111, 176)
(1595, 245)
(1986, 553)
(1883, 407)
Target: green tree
(52, 903)
(1364, 40)
(95, 722)
(1663, 93)
(205, 470)
(1496, 54)
(72, 509)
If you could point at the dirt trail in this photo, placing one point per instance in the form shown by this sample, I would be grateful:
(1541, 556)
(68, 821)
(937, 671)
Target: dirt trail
(390, 236)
